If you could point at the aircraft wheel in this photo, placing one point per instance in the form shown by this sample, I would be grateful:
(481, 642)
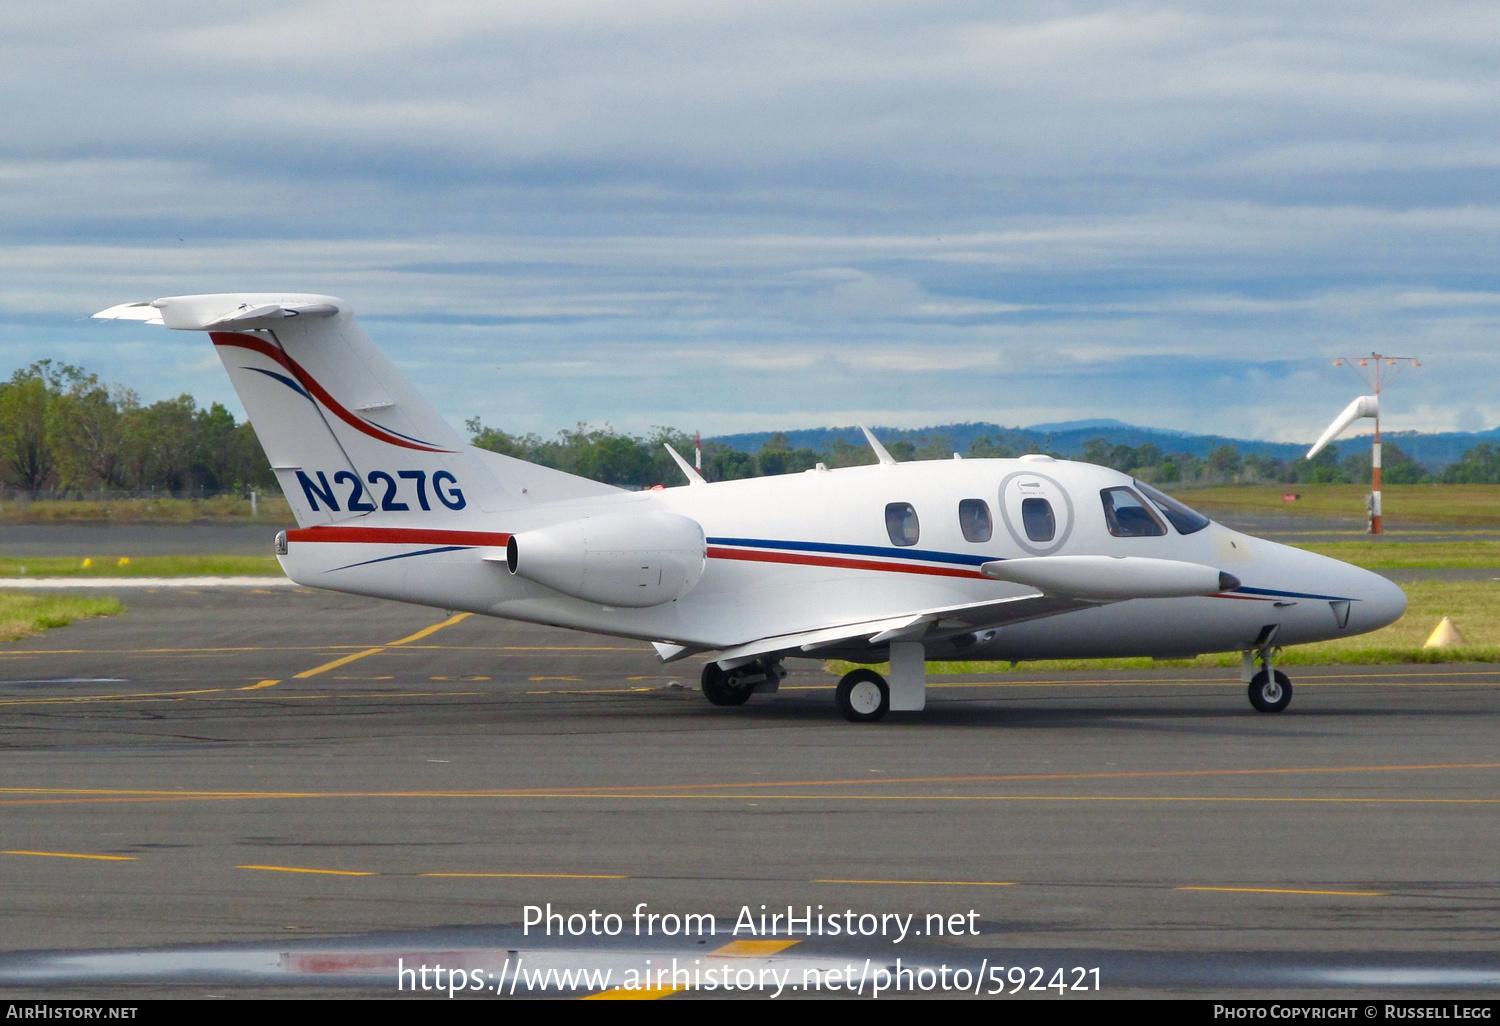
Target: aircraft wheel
(863, 696)
(720, 688)
(1270, 693)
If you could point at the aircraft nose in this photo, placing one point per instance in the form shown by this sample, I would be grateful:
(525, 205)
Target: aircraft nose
(1380, 603)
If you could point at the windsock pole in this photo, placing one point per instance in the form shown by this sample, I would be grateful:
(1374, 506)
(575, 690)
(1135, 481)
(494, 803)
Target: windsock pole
(1375, 524)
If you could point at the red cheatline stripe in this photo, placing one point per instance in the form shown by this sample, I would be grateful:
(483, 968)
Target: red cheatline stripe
(264, 348)
(715, 552)
(396, 536)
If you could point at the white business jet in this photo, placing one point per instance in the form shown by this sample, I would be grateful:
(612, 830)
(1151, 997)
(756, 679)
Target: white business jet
(1009, 559)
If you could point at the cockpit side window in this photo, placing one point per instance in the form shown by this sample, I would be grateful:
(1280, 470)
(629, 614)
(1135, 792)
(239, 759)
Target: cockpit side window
(901, 523)
(1128, 516)
(1183, 518)
(975, 520)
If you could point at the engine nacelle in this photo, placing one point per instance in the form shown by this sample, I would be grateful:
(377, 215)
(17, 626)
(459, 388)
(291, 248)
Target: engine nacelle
(615, 559)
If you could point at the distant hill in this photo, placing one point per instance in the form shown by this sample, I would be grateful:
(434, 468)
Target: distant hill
(1435, 451)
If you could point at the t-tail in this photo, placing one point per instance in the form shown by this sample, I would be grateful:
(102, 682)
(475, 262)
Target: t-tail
(347, 435)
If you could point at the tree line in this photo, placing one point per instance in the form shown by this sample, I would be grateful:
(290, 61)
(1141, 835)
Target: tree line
(64, 432)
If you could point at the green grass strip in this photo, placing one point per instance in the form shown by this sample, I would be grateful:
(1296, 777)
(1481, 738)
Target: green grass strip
(141, 566)
(23, 614)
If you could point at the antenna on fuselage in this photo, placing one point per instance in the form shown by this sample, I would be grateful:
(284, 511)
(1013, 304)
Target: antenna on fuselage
(880, 451)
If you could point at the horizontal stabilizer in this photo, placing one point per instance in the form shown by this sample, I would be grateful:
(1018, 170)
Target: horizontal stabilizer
(1112, 578)
(243, 311)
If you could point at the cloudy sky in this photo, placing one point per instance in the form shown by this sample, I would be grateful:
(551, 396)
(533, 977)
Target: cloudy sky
(781, 214)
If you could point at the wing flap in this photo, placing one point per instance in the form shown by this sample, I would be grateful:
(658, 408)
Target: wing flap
(927, 624)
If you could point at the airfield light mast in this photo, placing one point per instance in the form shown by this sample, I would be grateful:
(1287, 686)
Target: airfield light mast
(1377, 371)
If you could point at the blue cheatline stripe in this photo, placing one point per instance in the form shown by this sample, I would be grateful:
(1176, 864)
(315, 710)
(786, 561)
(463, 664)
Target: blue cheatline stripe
(889, 552)
(1294, 594)
(404, 555)
(288, 382)
(393, 431)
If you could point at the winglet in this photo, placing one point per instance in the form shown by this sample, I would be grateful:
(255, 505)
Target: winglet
(880, 452)
(694, 478)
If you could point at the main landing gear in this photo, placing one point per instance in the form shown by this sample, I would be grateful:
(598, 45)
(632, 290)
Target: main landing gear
(863, 696)
(1270, 689)
(734, 687)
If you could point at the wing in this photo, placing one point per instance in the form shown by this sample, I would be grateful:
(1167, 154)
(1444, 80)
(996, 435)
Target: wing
(924, 625)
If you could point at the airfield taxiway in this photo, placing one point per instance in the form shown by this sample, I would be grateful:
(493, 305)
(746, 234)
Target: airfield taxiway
(274, 767)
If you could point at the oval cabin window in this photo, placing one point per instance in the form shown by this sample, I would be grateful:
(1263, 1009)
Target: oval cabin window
(975, 520)
(901, 523)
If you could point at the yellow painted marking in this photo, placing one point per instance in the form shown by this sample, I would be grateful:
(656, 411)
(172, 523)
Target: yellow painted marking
(428, 631)
(553, 678)
(588, 691)
(1283, 890)
(149, 695)
(734, 949)
(262, 684)
(535, 876)
(335, 664)
(926, 883)
(597, 795)
(320, 872)
(346, 660)
(752, 948)
(73, 855)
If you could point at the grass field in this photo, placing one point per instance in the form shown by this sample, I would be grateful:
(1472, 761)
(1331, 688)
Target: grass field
(1473, 606)
(144, 566)
(22, 615)
(272, 509)
(1458, 505)
(1390, 555)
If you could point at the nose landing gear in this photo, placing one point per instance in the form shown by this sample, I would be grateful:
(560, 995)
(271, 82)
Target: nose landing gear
(1270, 689)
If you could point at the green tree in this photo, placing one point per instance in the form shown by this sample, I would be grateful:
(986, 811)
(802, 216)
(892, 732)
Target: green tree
(1480, 465)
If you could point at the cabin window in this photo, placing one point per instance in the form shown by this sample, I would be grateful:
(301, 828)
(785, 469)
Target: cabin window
(1128, 516)
(1037, 518)
(901, 523)
(974, 517)
(1185, 519)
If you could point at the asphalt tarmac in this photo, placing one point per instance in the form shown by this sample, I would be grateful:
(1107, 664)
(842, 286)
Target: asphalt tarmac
(281, 792)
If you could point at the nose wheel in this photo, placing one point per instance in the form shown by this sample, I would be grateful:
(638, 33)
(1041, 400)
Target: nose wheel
(1270, 691)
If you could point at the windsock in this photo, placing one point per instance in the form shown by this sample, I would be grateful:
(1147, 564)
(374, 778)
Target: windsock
(1364, 406)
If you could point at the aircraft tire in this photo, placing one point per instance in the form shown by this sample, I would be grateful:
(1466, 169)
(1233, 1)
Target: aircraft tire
(863, 696)
(719, 688)
(1270, 695)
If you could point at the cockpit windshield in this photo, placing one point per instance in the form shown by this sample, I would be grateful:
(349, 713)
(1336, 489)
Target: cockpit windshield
(1183, 518)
